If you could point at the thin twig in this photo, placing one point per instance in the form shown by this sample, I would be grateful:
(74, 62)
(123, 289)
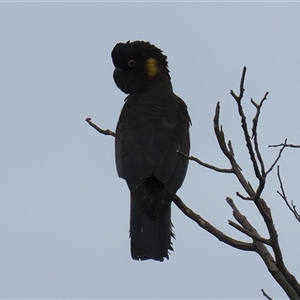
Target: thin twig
(254, 132)
(243, 197)
(285, 145)
(220, 134)
(105, 132)
(278, 157)
(292, 206)
(206, 165)
(266, 295)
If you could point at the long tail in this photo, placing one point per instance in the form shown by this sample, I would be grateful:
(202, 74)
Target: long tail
(150, 239)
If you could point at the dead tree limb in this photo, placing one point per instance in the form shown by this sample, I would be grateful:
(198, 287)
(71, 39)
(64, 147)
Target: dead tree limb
(274, 262)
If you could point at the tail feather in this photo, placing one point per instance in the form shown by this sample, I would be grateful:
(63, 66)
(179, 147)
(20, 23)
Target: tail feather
(150, 238)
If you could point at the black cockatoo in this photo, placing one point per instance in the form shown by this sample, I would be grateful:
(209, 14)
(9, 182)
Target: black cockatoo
(153, 124)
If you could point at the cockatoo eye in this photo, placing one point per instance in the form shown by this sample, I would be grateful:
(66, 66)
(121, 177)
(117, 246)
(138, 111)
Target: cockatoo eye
(131, 63)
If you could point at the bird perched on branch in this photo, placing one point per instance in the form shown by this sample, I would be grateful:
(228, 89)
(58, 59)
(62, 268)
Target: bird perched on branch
(153, 125)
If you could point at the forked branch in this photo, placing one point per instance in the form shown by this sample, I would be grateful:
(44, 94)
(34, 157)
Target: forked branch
(259, 244)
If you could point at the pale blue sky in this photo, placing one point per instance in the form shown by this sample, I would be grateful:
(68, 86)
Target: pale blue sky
(64, 213)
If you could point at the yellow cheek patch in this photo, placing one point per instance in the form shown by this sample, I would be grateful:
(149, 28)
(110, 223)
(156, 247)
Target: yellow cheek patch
(152, 67)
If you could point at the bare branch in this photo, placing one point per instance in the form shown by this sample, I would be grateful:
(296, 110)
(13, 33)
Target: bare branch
(258, 108)
(259, 202)
(105, 132)
(254, 131)
(266, 213)
(229, 153)
(220, 134)
(243, 197)
(246, 228)
(238, 100)
(197, 160)
(285, 145)
(266, 295)
(230, 147)
(278, 157)
(292, 206)
(249, 233)
(211, 229)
